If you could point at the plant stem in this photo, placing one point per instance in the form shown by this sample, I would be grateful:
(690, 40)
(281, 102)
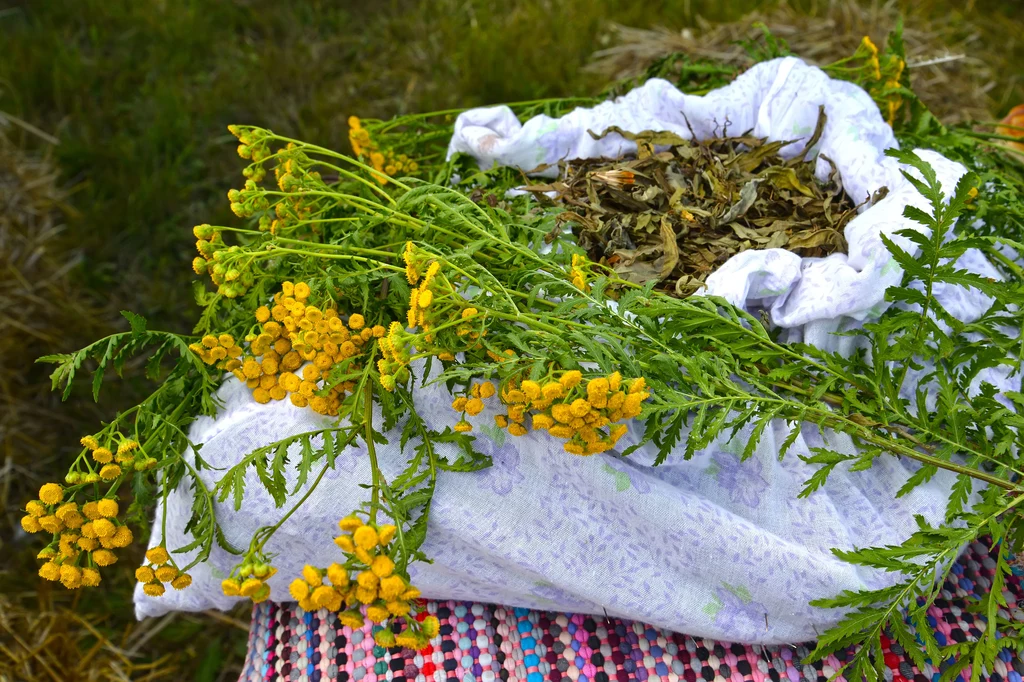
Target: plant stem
(273, 529)
(371, 451)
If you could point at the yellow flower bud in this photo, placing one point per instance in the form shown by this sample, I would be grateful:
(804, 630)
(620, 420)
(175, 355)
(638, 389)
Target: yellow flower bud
(166, 574)
(250, 587)
(299, 589)
(377, 614)
(51, 524)
(122, 537)
(579, 407)
(323, 595)
(107, 507)
(431, 626)
(51, 493)
(90, 577)
(570, 379)
(386, 533)
(50, 571)
(542, 421)
(365, 596)
(312, 576)
(391, 587)
(365, 537)
(382, 566)
(474, 407)
(345, 543)
(158, 555)
(531, 389)
(153, 589)
(70, 576)
(91, 510)
(338, 575)
(368, 580)
(103, 528)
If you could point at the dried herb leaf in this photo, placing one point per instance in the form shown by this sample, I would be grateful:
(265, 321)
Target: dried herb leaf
(674, 216)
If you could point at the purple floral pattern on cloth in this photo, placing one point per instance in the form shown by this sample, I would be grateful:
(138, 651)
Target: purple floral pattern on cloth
(505, 476)
(742, 479)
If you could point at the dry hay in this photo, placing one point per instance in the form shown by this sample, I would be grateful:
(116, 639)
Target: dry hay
(48, 633)
(53, 642)
(945, 53)
(41, 311)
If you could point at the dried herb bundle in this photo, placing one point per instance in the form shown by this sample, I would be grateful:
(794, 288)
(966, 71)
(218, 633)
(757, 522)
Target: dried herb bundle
(675, 216)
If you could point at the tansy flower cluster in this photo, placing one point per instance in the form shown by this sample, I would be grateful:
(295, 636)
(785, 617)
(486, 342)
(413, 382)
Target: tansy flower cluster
(249, 579)
(367, 578)
(383, 161)
(890, 89)
(108, 461)
(160, 570)
(878, 73)
(83, 536)
(584, 415)
(227, 266)
(869, 52)
(291, 334)
(293, 211)
(291, 171)
(434, 303)
(430, 301)
(576, 274)
(430, 290)
(472, 405)
(255, 146)
(222, 351)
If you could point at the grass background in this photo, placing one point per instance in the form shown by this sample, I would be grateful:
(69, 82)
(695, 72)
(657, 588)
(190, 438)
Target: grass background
(113, 144)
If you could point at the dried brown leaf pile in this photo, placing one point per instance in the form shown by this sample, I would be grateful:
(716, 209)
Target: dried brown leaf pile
(674, 216)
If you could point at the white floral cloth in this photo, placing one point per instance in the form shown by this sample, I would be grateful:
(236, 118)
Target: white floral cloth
(712, 546)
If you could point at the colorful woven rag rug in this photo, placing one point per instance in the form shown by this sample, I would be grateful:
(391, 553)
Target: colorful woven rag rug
(487, 642)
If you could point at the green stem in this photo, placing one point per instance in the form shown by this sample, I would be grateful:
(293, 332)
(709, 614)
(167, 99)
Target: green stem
(371, 451)
(361, 259)
(269, 532)
(342, 247)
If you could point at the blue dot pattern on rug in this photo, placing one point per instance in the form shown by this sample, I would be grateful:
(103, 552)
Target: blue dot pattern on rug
(487, 642)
